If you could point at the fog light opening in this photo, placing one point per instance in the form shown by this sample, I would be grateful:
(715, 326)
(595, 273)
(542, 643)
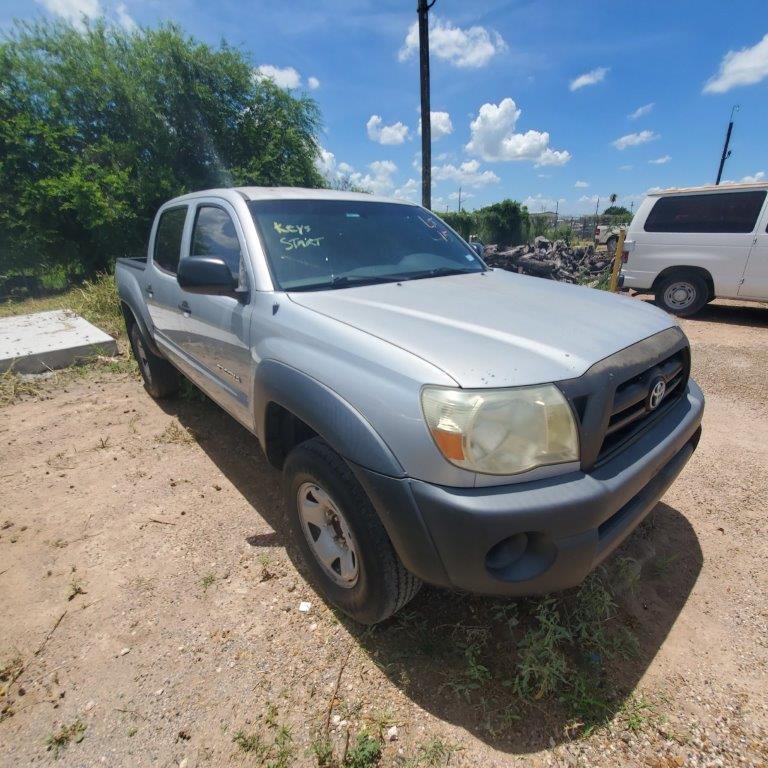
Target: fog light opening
(521, 556)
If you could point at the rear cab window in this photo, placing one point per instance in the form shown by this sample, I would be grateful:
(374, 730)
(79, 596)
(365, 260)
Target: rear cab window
(170, 230)
(723, 212)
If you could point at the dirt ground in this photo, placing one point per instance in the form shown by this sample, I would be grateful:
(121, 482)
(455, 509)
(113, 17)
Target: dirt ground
(150, 602)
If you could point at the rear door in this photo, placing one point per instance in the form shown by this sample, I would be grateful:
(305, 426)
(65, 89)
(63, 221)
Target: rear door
(217, 328)
(755, 282)
(163, 294)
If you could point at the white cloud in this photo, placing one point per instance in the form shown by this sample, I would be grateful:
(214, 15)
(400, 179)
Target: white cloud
(745, 67)
(626, 167)
(73, 10)
(396, 133)
(592, 77)
(313, 83)
(544, 175)
(581, 184)
(408, 190)
(635, 139)
(646, 109)
(468, 174)
(553, 157)
(464, 195)
(287, 77)
(593, 199)
(379, 180)
(663, 160)
(493, 137)
(124, 19)
(441, 125)
(468, 48)
(753, 179)
(325, 162)
(539, 203)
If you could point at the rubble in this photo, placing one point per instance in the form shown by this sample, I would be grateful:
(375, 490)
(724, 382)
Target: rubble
(552, 260)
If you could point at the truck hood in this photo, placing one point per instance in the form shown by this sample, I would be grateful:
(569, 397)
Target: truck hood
(494, 329)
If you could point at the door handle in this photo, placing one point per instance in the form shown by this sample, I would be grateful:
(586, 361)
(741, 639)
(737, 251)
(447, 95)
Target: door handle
(185, 308)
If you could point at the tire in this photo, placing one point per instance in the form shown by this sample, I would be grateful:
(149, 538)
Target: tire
(682, 293)
(161, 379)
(610, 244)
(366, 581)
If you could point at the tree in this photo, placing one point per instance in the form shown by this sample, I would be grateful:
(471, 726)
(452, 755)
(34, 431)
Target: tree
(504, 223)
(99, 126)
(618, 212)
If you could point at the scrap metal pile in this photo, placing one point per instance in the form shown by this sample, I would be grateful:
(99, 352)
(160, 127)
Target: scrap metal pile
(553, 260)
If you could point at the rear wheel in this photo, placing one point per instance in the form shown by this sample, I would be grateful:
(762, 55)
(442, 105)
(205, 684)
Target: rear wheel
(610, 244)
(682, 293)
(346, 547)
(161, 379)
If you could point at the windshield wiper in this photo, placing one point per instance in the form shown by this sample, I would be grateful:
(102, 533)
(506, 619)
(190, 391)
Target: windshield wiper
(344, 281)
(439, 272)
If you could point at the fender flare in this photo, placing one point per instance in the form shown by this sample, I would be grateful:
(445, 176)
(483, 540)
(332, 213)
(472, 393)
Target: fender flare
(341, 425)
(131, 315)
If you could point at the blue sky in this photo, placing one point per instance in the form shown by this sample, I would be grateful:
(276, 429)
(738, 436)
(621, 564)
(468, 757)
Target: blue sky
(540, 100)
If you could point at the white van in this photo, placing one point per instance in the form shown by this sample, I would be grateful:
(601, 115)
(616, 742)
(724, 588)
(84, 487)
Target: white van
(689, 246)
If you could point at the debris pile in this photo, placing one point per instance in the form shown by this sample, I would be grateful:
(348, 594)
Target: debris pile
(553, 260)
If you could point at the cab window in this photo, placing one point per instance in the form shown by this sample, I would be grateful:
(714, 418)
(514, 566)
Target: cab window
(170, 229)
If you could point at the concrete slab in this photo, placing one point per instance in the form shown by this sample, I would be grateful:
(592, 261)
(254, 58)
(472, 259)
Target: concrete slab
(45, 340)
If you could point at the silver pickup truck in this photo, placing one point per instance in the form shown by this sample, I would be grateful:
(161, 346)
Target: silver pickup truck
(435, 420)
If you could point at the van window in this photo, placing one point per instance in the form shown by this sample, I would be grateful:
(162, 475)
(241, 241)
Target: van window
(730, 212)
(214, 235)
(168, 239)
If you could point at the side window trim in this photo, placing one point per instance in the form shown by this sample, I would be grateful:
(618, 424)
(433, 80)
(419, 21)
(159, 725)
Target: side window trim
(225, 206)
(657, 228)
(180, 206)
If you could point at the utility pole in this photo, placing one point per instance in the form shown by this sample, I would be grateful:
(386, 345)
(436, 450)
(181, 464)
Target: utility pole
(726, 152)
(459, 199)
(426, 122)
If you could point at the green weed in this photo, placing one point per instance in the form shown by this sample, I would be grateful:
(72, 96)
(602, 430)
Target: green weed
(59, 740)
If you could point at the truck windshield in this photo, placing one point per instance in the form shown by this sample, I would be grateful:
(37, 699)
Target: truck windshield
(324, 244)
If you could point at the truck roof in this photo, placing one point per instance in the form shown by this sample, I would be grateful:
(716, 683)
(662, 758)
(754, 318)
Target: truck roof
(292, 193)
(724, 187)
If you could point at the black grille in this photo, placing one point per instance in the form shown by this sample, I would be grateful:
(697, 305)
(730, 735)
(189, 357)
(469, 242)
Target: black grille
(630, 411)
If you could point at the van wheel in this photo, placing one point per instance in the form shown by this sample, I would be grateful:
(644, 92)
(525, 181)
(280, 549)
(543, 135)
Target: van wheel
(610, 245)
(344, 544)
(161, 379)
(682, 294)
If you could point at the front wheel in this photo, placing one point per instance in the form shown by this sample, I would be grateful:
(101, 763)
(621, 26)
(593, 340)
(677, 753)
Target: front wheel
(344, 544)
(682, 294)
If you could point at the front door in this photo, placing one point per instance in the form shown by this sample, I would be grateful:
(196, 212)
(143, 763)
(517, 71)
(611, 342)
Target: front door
(217, 338)
(755, 283)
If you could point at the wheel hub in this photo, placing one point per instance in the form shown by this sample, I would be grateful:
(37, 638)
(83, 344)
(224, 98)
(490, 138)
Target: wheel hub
(328, 534)
(680, 295)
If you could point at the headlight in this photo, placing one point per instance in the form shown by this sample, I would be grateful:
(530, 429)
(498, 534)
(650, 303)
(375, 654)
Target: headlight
(501, 431)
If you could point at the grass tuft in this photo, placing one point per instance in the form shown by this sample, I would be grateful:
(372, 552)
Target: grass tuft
(56, 742)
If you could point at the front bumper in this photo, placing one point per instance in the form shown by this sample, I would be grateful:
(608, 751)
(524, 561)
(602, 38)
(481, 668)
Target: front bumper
(540, 536)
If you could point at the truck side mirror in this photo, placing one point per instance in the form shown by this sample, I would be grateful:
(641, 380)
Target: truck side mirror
(206, 274)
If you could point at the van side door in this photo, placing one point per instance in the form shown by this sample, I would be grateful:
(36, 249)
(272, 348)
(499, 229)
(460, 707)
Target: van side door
(217, 328)
(754, 285)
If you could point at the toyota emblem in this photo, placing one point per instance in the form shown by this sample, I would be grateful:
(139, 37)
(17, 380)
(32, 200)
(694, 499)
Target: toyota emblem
(656, 395)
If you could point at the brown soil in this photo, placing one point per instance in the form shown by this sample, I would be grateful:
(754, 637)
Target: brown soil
(148, 590)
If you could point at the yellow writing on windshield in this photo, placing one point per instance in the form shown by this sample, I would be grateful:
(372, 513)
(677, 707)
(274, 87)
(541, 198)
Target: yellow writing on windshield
(291, 243)
(291, 229)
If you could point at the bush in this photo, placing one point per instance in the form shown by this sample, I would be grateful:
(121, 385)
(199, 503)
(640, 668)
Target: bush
(504, 223)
